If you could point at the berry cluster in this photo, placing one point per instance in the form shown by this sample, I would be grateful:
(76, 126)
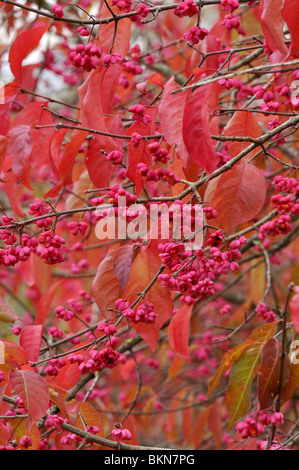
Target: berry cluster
(52, 370)
(121, 434)
(286, 205)
(86, 56)
(186, 8)
(142, 12)
(250, 428)
(138, 114)
(230, 21)
(100, 359)
(57, 10)
(115, 193)
(116, 157)
(195, 280)
(231, 5)
(160, 155)
(124, 5)
(159, 174)
(265, 312)
(195, 34)
(77, 227)
(52, 253)
(39, 208)
(144, 313)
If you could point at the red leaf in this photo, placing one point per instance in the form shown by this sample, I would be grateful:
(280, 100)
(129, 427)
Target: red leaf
(109, 84)
(123, 259)
(27, 272)
(30, 341)
(120, 38)
(19, 147)
(68, 376)
(272, 25)
(155, 79)
(144, 268)
(70, 152)
(196, 128)
(140, 154)
(10, 92)
(238, 195)
(4, 433)
(45, 303)
(24, 43)
(64, 164)
(241, 126)
(3, 144)
(171, 112)
(56, 150)
(99, 168)
(106, 287)
(178, 332)
(269, 373)
(290, 14)
(33, 114)
(91, 92)
(11, 187)
(33, 390)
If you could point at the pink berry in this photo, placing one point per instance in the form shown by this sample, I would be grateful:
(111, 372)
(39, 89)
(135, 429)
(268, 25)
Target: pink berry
(58, 11)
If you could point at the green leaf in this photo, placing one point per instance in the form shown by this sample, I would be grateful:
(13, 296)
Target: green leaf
(7, 315)
(260, 334)
(238, 395)
(226, 363)
(243, 371)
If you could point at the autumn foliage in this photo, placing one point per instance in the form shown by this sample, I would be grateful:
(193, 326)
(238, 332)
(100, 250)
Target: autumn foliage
(138, 342)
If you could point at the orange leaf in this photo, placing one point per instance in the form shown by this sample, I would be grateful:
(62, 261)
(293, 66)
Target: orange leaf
(178, 332)
(238, 195)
